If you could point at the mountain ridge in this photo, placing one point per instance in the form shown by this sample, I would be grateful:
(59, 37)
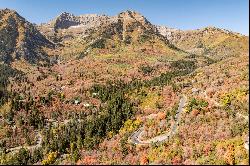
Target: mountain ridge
(170, 28)
(116, 81)
(68, 33)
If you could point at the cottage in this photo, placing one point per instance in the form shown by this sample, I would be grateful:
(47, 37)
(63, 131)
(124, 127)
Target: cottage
(86, 105)
(246, 145)
(195, 90)
(77, 101)
(94, 94)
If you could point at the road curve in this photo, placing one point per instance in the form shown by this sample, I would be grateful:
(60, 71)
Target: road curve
(136, 136)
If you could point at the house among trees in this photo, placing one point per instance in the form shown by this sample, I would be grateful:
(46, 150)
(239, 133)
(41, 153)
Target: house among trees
(246, 145)
(195, 91)
(77, 101)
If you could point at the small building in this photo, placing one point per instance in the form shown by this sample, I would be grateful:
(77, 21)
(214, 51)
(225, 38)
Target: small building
(77, 101)
(86, 105)
(195, 91)
(246, 145)
(94, 94)
(193, 81)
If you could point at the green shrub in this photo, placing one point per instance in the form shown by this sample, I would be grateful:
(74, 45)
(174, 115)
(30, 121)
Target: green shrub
(183, 65)
(146, 69)
(100, 43)
(198, 104)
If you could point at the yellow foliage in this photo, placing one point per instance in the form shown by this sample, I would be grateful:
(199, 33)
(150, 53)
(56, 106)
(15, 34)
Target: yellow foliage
(200, 73)
(5, 108)
(185, 110)
(110, 134)
(235, 151)
(130, 125)
(50, 158)
(150, 100)
(236, 94)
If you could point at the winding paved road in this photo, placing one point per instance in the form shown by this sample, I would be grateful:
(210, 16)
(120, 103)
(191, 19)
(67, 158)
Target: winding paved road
(136, 136)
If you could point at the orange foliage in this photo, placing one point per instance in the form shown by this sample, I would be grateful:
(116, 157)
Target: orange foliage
(195, 112)
(87, 160)
(144, 160)
(229, 156)
(176, 160)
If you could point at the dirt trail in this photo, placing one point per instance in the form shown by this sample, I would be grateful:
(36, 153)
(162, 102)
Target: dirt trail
(39, 136)
(38, 145)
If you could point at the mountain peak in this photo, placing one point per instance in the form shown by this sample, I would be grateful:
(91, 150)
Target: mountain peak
(6, 10)
(130, 14)
(20, 38)
(9, 12)
(65, 14)
(65, 20)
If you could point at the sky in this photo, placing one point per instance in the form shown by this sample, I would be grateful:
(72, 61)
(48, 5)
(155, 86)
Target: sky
(181, 14)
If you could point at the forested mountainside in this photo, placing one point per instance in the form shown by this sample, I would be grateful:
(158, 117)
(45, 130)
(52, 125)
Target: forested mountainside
(20, 39)
(98, 89)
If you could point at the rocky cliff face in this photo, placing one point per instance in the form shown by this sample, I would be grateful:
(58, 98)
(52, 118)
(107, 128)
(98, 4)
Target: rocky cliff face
(67, 20)
(167, 32)
(131, 27)
(19, 39)
(68, 26)
(77, 34)
(84, 32)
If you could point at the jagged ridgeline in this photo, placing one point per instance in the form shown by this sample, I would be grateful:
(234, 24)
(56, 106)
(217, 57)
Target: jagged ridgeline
(119, 81)
(69, 36)
(131, 32)
(126, 32)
